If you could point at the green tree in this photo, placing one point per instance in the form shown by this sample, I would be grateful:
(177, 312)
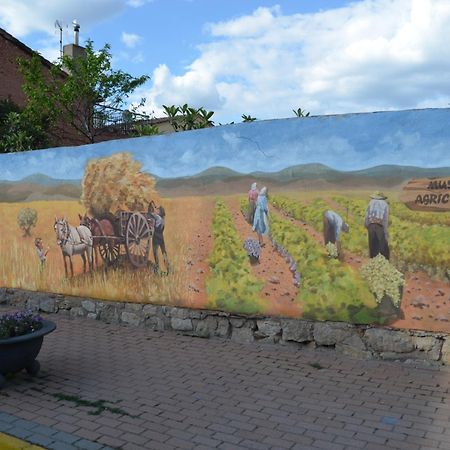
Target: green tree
(185, 117)
(20, 129)
(27, 219)
(83, 93)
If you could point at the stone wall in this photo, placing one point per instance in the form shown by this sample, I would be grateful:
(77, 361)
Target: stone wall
(359, 341)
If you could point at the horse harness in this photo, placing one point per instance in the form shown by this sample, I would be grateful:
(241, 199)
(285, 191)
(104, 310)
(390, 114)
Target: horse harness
(68, 235)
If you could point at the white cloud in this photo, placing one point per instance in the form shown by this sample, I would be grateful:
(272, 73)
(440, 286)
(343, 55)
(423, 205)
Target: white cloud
(138, 3)
(130, 39)
(22, 17)
(369, 55)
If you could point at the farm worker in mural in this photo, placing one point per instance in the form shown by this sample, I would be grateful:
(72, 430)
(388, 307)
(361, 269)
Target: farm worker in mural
(333, 224)
(376, 222)
(158, 214)
(252, 199)
(41, 253)
(261, 220)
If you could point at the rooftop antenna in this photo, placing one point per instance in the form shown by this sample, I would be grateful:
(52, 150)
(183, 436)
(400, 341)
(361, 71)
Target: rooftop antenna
(60, 26)
(76, 31)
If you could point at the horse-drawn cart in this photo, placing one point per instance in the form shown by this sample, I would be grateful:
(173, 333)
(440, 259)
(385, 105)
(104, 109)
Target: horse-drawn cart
(131, 231)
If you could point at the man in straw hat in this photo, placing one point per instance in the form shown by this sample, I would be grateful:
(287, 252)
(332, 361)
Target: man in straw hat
(376, 222)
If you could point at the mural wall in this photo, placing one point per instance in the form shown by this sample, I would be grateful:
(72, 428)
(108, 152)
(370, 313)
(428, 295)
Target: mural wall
(330, 218)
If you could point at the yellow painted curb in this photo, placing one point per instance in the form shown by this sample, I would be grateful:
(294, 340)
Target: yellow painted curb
(11, 443)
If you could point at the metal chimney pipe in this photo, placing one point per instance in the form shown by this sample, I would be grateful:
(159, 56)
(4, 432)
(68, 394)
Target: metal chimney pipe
(76, 31)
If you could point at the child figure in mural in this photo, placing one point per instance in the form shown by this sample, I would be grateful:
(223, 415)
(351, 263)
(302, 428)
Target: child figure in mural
(333, 224)
(252, 199)
(158, 214)
(376, 222)
(261, 219)
(41, 252)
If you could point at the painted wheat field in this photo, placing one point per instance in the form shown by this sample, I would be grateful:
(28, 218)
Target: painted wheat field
(20, 266)
(204, 236)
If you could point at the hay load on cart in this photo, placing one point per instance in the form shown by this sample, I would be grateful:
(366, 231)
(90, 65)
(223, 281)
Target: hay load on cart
(116, 193)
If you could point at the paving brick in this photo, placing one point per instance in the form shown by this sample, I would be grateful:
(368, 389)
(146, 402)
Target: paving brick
(207, 394)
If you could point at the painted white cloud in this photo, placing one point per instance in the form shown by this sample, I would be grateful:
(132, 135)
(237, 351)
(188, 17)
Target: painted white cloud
(130, 39)
(22, 17)
(369, 55)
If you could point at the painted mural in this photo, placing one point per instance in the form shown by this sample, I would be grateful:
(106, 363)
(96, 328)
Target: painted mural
(341, 218)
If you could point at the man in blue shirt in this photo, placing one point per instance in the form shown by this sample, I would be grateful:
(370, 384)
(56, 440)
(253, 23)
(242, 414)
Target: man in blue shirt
(333, 224)
(376, 222)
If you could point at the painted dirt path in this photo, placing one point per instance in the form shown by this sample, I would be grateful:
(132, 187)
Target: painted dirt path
(198, 251)
(425, 303)
(279, 290)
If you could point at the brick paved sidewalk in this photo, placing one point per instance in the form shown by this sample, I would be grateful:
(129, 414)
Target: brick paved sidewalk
(165, 391)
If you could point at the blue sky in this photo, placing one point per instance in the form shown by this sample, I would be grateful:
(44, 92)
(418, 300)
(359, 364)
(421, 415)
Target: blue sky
(345, 142)
(260, 57)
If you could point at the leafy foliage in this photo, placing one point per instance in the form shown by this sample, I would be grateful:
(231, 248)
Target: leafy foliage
(185, 117)
(18, 324)
(231, 287)
(248, 118)
(384, 279)
(27, 219)
(332, 250)
(116, 182)
(146, 129)
(330, 290)
(299, 112)
(72, 93)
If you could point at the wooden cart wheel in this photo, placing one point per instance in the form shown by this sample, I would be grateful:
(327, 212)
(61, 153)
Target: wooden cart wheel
(109, 251)
(108, 247)
(138, 239)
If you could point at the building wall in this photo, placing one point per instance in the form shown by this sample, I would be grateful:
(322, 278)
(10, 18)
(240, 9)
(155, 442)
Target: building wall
(10, 78)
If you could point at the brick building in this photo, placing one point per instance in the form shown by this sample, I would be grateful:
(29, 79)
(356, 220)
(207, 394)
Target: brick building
(11, 88)
(10, 78)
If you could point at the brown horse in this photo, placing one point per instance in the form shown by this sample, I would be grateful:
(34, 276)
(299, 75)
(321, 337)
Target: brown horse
(107, 246)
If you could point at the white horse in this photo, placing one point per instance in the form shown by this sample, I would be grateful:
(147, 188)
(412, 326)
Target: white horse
(74, 241)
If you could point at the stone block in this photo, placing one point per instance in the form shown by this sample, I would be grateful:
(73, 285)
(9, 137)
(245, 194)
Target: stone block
(181, 324)
(47, 304)
(207, 327)
(110, 313)
(89, 305)
(445, 353)
(237, 322)
(297, 330)
(150, 310)
(223, 328)
(63, 304)
(242, 335)
(92, 316)
(353, 346)
(383, 340)
(133, 308)
(78, 311)
(178, 313)
(130, 318)
(268, 328)
(428, 347)
(331, 333)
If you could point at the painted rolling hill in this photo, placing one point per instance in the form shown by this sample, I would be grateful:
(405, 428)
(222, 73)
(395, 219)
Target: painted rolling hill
(221, 180)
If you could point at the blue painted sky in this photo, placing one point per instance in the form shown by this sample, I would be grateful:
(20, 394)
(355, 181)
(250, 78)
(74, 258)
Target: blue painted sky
(347, 142)
(260, 57)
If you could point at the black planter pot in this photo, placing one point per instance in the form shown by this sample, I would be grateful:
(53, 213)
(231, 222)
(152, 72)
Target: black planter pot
(20, 352)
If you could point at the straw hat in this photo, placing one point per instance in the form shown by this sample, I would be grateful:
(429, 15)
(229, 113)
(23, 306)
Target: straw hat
(378, 195)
